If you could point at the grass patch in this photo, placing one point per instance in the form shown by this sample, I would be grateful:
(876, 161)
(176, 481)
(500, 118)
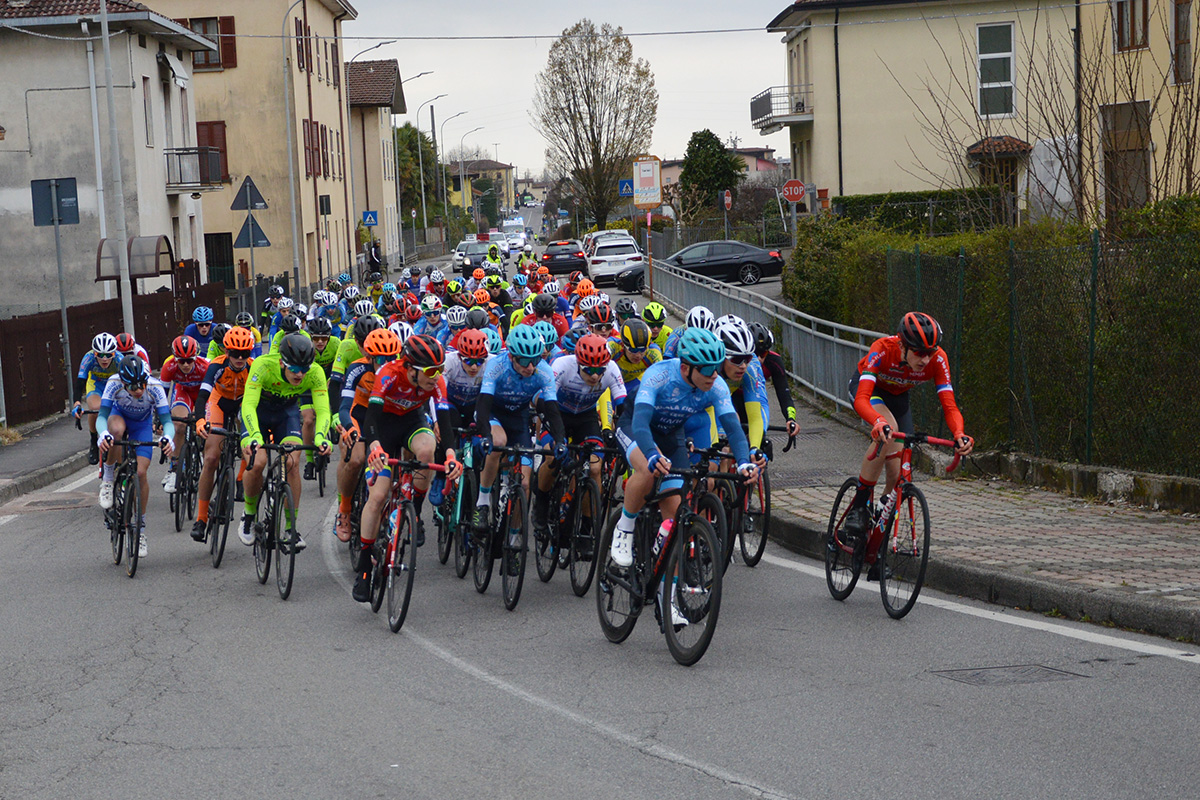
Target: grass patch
(9, 435)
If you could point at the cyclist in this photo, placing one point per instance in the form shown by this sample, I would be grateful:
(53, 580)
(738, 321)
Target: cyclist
(585, 288)
(773, 370)
(278, 382)
(186, 369)
(672, 392)
(697, 317)
(600, 321)
(625, 309)
(126, 346)
(270, 306)
(130, 401)
(220, 397)
(893, 366)
(289, 324)
(412, 280)
(519, 291)
(218, 333)
(742, 375)
(526, 262)
(499, 296)
(283, 311)
(403, 390)
(456, 320)
(550, 338)
(434, 284)
(97, 366)
(431, 321)
(633, 352)
(456, 295)
(464, 373)
(201, 327)
(475, 281)
(350, 350)
(545, 307)
(243, 319)
(655, 315)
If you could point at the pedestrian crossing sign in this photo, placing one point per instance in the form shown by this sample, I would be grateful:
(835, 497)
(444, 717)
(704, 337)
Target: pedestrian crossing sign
(370, 219)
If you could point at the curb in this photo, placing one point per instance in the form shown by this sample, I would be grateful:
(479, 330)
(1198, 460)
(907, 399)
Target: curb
(1150, 615)
(45, 476)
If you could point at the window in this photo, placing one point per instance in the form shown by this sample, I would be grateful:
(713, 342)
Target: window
(185, 117)
(995, 70)
(1182, 58)
(328, 74)
(220, 30)
(299, 44)
(212, 134)
(1126, 142)
(341, 157)
(307, 148)
(337, 67)
(324, 151)
(1130, 18)
(308, 47)
(148, 111)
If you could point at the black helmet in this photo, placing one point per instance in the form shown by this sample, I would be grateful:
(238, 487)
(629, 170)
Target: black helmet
(133, 372)
(635, 334)
(545, 304)
(626, 308)
(319, 326)
(477, 318)
(277, 291)
(492, 270)
(423, 351)
(219, 330)
(289, 324)
(764, 340)
(296, 350)
(364, 325)
(920, 332)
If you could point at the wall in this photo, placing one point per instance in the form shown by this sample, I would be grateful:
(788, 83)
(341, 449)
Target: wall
(374, 174)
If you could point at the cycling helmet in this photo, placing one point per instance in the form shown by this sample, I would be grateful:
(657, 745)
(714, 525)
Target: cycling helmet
(184, 347)
(402, 329)
(412, 313)
(477, 318)
(436, 276)
(520, 280)
(454, 287)
(592, 351)
(546, 330)
(364, 325)
(319, 326)
(700, 347)
(635, 334)
(423, 351)
(289, 324)
(920, 332)
(543, 270)
(571, 338)
(552, 288)
(428, 270)
(735, 335)
(626, 308)
(381, 343)
(764, 340)
(491, 270)
(375, 276)
(701, 317)
(285, 302)
(495, 343)
(363, 307)
(244, 319)
(525, 342)
(332, 285)
(575, 277)
(600, 315)
(219, 330)
(604, 298)
(492, 282)
(389, 287)
(588, 303)
(472, 344)
(456, 316)
(277, 291)
(387, 298)
(350, 292)
(125, 343)
(527, 306)
(528, 248)
(654, 314)
(301, 310)
(478, 274)
(344, 278)
(585, 288)
(411, 299)
(296, 350)
(481, 296)
(202, 314)
(544, 304)
(431, 304)
(104, 344)
(239, 339)
(134, 373)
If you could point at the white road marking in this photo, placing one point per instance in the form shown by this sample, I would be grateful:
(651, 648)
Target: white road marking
(8, 518)
(89, 474)
(1010, 618)
(336, 567)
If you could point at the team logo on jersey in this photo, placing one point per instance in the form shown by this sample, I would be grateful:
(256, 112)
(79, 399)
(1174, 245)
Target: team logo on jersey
(873, 359)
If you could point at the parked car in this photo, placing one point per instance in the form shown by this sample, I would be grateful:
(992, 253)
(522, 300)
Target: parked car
(564, 256)
(457, 256)
(728, 261)
(592, 240)
(611, 255)
(632, 279)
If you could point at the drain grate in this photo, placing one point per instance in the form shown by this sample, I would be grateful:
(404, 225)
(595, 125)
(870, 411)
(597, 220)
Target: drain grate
(1007, 676)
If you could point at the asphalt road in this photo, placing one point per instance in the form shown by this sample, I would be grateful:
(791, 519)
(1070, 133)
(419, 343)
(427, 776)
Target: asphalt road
(191, 682)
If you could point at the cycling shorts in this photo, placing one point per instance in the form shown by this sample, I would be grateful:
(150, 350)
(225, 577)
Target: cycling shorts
(279, 423)
(516, 430)
(579, 427)
(139, 430)
(896, 403)
(183, 401)
(91, 388)
(672, 444)
(397, 431)
(221, 409)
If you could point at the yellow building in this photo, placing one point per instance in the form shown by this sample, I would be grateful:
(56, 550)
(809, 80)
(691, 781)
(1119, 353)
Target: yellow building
(502, 176)
(243, 105)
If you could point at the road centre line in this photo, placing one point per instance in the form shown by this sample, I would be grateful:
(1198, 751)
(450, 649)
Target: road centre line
(336, 567)
(1047, 626)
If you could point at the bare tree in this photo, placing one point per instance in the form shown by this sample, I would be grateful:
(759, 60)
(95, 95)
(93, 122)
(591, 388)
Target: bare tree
(596, 107)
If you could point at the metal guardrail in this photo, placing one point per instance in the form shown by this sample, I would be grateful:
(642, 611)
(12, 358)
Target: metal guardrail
(820, 355)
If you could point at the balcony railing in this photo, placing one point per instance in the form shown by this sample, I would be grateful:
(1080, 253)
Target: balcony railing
(780, 105)
(193, 169)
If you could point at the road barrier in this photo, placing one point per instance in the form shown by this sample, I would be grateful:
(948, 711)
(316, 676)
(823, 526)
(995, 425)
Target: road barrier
(820, 355)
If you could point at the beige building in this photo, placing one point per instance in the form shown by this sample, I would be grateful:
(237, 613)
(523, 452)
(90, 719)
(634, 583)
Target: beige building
(246, 92)
(375, 95)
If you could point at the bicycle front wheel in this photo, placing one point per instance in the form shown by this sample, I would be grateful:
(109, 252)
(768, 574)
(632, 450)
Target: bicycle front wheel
(194, 465)
(515, 531)
(114, 518)
(843, 554)
(131, 519)
(284, 517)
(218, 520)
(358, 500)
(904, 554)
(616, 604)
(403, 567)
(468, 487)
(585, 529)
(545, 541)
(711, 508)
(755, 522)
(263, 544)
(445, 520)
(691, 591)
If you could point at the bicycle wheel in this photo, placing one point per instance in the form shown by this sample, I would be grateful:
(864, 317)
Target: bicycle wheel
(904, 554)
(755, 521)
(462, 531)
(131, 520)
(285, 554)
(710, 506)
(195, 464)
(218, 521)
(616, 604)
(691, 591)
(322, 462)
(516, 541)
(843, 555)
(558, 517)
(443, 518)
(379, 556)
(178, 501)
(481, 554)
(263, 540)
(403, 568)
(113, 517)
(584, 532)
(357, 501)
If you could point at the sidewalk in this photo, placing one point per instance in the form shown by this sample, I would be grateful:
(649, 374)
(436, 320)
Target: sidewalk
(48, 450)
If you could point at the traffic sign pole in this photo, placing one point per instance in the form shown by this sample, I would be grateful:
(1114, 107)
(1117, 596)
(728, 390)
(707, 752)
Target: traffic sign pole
(253, 274)
(62, 292)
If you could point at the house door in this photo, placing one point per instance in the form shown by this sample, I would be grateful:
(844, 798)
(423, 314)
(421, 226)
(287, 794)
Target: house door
(218, 249)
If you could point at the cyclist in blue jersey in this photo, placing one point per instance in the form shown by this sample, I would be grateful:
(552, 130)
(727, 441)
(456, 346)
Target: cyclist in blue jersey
(98, 365)
(743, 375)
(698, 317)
(672, 392)
(286, 304)
(432, 322)
(201, 327)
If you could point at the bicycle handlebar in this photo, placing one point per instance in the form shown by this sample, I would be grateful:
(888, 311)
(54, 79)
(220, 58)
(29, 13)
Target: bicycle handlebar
(79, 416)
(918, 438)
(279, 448)
(132, 445)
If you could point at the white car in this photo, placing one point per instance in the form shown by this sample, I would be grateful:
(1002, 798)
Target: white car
(456, 258)
(612, 256)
(516, 241)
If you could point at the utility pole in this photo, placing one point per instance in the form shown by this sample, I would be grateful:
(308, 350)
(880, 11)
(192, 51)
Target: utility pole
(118, 185)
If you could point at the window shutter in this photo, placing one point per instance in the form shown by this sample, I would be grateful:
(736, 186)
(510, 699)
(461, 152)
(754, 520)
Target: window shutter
(307, 150)
(337, 67)
(308, 47)
(300, 44)
(228, 42)
(324, 151)
(218, 141)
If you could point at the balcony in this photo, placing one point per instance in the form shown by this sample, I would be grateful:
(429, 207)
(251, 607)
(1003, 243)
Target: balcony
(773, 108)
(193, 169)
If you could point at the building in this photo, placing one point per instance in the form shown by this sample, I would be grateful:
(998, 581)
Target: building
(54, 124)
(502, 176)
(247, 93)
(754, 159)
(375, 94)
(537, 189)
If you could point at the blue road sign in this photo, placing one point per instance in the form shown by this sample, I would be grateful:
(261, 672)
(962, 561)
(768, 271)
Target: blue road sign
(625, 187)
(370, 219)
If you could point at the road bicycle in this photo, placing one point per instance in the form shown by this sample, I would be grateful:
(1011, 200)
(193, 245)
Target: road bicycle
(357, 500)
(275, 533)
(187, 473)
(394, 554)
(897, 544)
(569, 539)
(124, 517)
(221, 510)
(507, 536)
(680, 576)
(453, 516)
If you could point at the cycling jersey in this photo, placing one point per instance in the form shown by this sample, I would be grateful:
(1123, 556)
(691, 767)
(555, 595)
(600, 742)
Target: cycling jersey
(347, 353)
(665, 401)
(186, 386)
(752, 392)
(512, 392)
(267, 385)
(575, 396)
(631, 371)
(92, 377)
(223, 380)
(202, 340)
(356, 391)
(661, 338)
(774, 372)
(394, 393)
(669, 349)
(461, 389)
(883, 369)
(136, 411)
(423, 326)
(327, 356)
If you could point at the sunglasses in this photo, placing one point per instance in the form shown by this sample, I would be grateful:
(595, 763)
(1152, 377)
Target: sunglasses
(185, 361)
(923, 353)
(739, 360)
(595, 370)
(133, 387)
(203, 324)
(526, 362)
(105, 355)
(296, 369)
(432, 314)
(635, 351)
(239, 353)
(474, 362)
(707, 371)
(431, 372)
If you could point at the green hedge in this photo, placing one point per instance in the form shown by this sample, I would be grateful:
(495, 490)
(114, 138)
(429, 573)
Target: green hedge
(954, 210)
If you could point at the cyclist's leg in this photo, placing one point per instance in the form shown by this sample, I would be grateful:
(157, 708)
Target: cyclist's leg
(491, 464)
(308, 429)
(91, 401)
(212, 457)
(180, 409)
(292, 433)
(116, 427)
(422, 444)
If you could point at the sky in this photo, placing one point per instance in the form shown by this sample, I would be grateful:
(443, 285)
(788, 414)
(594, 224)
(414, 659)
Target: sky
(703, 81)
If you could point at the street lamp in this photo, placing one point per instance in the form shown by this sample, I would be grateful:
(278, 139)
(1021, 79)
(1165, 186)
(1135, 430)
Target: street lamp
(462, 178)
(442, 138)
(289, 97)
(421, 159)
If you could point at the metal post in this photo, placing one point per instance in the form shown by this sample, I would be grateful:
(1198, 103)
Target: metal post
(1091, 374)
(795, 241)
(114, 143)
(726, 224)
(96, 146)
(421, 159)
(293, 190)
(649, 255)
(62, 290)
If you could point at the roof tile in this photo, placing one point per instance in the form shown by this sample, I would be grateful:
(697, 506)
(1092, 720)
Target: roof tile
(19, 9)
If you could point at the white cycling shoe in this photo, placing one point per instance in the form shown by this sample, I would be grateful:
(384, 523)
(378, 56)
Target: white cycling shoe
(106, 495)
(169, 482)
(621, 551)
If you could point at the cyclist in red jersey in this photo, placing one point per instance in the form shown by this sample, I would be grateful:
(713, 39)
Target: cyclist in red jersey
(893, 366)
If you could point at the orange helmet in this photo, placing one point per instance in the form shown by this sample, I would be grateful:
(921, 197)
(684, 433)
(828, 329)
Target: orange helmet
(585, 287)
(381, 342)
(482, 297)
(478, 274)
(125, 343)
(239, 339)
(472, 343)
(543, 270)
(592, 351)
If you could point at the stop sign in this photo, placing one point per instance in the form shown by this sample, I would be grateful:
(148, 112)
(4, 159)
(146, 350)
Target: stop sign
(728, 199)
(793, 191)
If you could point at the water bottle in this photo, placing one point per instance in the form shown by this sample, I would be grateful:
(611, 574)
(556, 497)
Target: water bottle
(392, 519)
(888, 503)
(664, 531)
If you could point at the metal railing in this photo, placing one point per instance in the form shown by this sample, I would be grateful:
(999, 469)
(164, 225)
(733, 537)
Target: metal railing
(780, 101)
(191, 168)
(820, 355)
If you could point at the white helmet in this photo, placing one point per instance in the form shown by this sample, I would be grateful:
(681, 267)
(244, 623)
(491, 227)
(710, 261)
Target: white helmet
(302, 309)
(436, 276)
(402, 330)
(590, 302)
(364, 307)
(456, 316)
(431, 302)
(552, 287)
(104, 343)
(286, 302)
(350, 292)
(736, 335)
(604, 298)
(528, 248)
(701, 317)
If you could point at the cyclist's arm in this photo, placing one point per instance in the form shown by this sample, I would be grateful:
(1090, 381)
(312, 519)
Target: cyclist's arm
(862, 399)
(773, 367)
(163, 409)
(642, 414)
(320, 397)
(737, 437)
(756, 421)
(604, 408)
(945, 393)
(250, 409)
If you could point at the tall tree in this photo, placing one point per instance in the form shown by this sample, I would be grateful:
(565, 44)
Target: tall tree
(709, 168)
(408, 167)
(596, 107)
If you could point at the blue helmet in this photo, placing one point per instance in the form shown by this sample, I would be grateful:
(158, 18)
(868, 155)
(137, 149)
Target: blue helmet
(546, 330)
(525, 342)
(202, 314)
(495, 343)
(133, 372)
(344, 278)
(700, 347)
(520, 280)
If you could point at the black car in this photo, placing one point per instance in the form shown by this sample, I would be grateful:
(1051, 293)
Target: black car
(563, 257)
(632, 279)
(727, 261)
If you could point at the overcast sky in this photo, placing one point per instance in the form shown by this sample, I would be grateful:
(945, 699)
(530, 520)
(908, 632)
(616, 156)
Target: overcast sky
(703, 81)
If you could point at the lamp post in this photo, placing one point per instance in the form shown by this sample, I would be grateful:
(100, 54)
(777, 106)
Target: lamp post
(421, 160)
(462, 178)
(445, 208)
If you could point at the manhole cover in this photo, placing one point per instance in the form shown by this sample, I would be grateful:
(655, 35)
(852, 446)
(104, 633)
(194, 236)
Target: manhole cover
(1007, 676)
(55, 502)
